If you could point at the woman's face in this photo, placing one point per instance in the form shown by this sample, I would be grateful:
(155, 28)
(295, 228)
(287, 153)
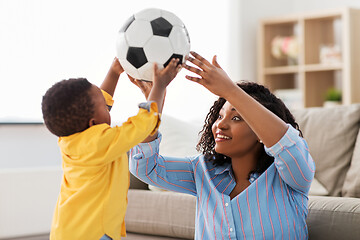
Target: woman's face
(233, 137)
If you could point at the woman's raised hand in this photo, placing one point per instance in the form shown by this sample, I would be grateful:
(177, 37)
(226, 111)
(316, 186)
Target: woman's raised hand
(145, 86)
(211, 76)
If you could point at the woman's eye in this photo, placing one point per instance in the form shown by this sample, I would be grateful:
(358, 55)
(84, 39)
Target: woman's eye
(219, 116)
(237, 118)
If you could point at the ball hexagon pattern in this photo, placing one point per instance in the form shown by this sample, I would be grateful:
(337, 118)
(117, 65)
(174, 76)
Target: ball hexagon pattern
(148, 37)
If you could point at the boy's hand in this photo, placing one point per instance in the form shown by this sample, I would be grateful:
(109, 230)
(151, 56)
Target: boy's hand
(163, 77)
(157, 93)
(112, 77)
(116, 66)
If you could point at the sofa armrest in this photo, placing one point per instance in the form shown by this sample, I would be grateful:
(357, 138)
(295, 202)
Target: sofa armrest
(161, 213)
(334, 218)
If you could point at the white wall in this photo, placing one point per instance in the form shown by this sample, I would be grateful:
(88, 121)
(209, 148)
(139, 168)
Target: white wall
(42, 42)
(45, 41)
(27, 146)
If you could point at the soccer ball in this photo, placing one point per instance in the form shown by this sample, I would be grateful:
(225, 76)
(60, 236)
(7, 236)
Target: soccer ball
(148, 37)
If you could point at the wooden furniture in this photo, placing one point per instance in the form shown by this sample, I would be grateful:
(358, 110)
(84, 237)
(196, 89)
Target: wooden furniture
(307, 73)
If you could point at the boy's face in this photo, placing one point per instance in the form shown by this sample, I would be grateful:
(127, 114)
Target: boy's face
(101, 111)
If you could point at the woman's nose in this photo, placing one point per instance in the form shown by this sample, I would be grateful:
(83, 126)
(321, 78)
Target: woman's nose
(222, 123)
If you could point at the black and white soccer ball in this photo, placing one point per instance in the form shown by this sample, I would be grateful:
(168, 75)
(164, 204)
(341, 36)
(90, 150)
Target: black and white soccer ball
(148, 37)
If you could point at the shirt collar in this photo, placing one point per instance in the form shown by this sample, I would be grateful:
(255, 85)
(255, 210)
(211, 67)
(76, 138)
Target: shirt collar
(226, 167)
(253, 177)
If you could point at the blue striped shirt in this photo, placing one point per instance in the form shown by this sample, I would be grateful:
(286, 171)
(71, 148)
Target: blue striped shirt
(274, 206)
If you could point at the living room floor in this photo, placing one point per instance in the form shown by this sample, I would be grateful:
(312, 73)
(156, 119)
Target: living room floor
(130, 236)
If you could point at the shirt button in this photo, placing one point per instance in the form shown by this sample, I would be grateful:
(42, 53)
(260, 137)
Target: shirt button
(226, 204)
(231, 229)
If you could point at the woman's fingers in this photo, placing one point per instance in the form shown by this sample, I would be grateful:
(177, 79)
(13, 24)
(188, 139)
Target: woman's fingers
(141, 84)
(200, 59)
(193, 69)
(133, 80)
(198, 63)
(215, 63)
(194, 79)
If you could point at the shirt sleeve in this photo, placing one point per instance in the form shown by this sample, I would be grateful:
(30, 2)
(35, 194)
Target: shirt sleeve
(120, 139)
(108, 99)
(293, 160)
(170, 173)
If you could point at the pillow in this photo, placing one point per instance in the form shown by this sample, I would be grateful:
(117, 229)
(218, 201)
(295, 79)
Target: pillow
(317, 189)
(331, 134)
(179, 138)
(351, 187)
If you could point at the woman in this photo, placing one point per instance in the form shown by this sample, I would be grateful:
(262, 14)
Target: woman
(253, 176)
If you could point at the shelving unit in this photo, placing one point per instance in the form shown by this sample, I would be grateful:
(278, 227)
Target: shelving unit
(307, 73)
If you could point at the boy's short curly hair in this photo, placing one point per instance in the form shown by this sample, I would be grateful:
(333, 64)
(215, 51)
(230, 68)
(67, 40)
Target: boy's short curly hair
(67, 106)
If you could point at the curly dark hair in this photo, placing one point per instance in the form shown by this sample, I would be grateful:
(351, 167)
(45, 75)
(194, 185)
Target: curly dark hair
(206, 144)
(67, 106)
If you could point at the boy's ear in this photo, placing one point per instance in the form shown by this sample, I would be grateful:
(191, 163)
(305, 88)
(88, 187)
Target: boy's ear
(92, 122)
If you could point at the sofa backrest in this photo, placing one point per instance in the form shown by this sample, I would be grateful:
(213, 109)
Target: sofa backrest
(331, 134)
(351, 187)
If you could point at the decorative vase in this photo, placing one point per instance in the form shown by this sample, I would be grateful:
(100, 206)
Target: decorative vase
(329, 104)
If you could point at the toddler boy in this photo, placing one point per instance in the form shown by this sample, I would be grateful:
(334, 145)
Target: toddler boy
(93, 196)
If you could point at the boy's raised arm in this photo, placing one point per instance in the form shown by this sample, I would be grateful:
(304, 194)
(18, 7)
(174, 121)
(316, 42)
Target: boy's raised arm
(112, 77)
(162, 79)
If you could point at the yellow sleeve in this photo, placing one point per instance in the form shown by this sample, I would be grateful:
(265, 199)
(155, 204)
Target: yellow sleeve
(108, 99)
(120, 139)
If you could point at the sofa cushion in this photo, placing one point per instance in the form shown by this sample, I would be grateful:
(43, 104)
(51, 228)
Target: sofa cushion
(161, 213)
(179, 138)
(351, 187)
(136, 236)
(317, 189)
(331, 134)
(333, 218)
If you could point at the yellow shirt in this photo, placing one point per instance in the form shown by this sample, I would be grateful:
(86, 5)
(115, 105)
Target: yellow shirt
(93, 196)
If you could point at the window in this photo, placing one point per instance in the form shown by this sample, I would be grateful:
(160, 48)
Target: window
(42, 42)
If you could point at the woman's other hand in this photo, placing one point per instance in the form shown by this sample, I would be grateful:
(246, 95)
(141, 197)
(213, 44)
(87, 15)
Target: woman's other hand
(145, 86)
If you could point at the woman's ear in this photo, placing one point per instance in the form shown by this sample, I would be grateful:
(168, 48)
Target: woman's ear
(92, 122)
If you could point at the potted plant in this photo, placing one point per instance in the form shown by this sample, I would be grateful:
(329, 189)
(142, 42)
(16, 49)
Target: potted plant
(332, 97)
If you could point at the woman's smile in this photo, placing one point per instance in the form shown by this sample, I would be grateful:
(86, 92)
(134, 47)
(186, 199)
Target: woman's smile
(221, 137)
